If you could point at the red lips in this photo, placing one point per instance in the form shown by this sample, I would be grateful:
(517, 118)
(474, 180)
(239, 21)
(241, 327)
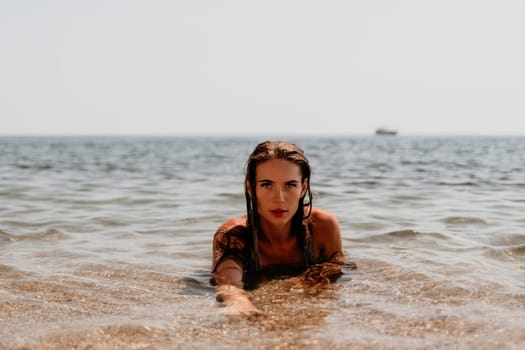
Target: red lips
(278, 212)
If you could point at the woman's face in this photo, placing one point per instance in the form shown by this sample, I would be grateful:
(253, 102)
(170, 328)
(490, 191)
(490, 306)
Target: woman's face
(278, 188)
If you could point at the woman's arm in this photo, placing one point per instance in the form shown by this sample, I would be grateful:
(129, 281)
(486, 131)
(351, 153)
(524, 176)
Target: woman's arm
(229, 292)
(326, 236)
(328, 246)
(228, 272)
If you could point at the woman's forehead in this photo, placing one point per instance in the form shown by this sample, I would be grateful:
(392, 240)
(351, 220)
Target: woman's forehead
(278, 169)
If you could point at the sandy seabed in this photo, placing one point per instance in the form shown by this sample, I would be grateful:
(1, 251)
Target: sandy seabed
(377, 306)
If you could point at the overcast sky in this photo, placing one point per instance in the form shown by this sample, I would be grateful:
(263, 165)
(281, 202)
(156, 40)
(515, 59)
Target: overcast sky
(256, 67)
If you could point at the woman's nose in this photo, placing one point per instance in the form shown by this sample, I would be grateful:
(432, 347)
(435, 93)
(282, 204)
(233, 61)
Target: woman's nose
(279, 193)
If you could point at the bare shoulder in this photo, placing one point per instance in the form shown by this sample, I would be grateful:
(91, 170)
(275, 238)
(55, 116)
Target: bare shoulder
(231, 223)
(228, 225)
(324, 219)
(326, 234)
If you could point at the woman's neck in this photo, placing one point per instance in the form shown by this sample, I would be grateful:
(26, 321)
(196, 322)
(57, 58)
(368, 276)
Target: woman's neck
(274, 234)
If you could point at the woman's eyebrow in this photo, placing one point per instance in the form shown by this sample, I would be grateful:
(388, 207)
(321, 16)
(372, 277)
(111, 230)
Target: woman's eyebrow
(288, 182)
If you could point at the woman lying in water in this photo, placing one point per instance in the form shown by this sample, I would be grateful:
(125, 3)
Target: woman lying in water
(281, 232)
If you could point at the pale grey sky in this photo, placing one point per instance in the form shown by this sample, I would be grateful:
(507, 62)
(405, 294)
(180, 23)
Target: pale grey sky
(256, 67)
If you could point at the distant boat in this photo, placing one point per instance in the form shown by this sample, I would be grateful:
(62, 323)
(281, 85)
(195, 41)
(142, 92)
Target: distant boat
(385, 131)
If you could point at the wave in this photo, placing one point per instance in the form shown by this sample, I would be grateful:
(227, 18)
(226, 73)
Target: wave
(197, 283)
(400, 234)
(460, 184)
(509, 253)
(50, 234)
(4, 236)
(463, 220)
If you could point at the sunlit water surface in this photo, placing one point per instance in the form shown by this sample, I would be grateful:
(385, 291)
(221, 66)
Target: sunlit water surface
(105, 243)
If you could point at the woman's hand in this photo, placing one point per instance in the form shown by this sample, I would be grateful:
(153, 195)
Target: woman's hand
(236, 301)
(318, 276)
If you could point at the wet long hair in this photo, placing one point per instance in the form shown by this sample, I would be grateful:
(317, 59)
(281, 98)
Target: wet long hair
(263, 152)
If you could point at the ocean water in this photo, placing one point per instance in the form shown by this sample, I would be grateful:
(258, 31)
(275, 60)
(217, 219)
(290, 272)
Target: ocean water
(105, 243)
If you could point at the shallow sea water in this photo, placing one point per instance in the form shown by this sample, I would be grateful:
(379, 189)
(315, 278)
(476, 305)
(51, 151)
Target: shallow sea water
(105, 243)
